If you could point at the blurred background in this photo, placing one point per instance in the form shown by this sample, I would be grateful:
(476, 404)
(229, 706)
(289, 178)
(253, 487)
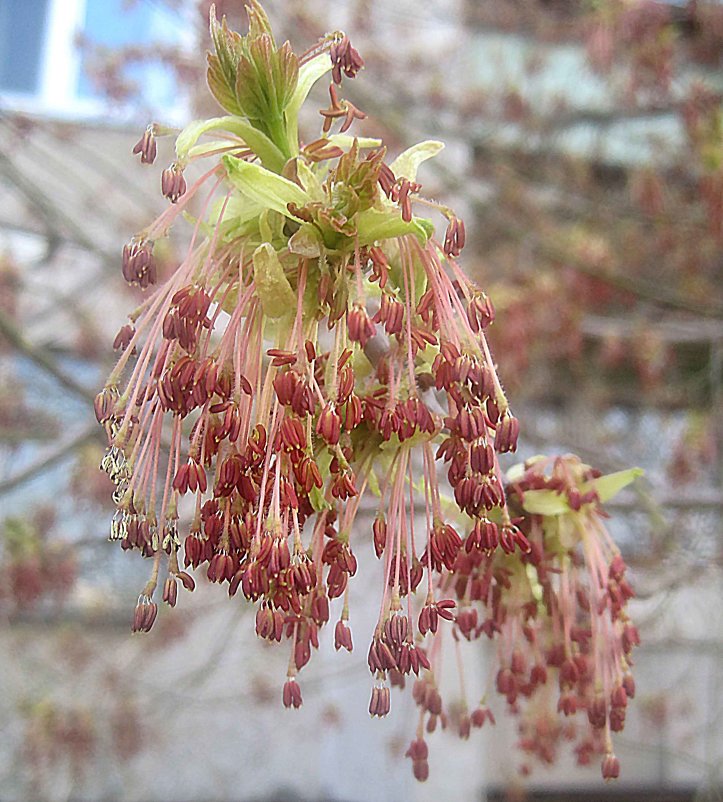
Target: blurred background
(585, 154)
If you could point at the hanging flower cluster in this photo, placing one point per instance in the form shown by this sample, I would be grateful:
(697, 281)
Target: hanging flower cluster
(317, 342)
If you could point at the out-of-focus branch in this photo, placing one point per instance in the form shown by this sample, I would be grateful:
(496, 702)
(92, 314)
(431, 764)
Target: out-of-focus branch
(643, 289)
(41, 358)
(59, 224)
(60, 451)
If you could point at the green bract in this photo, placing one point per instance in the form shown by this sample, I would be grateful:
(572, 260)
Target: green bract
(269, 190)
(273, 288)
(407, 163)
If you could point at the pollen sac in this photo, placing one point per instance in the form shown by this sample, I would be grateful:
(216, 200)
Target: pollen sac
(146, 146)
(173, 184)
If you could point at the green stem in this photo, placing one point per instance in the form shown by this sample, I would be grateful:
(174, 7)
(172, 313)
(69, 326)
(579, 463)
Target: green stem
(277, 133)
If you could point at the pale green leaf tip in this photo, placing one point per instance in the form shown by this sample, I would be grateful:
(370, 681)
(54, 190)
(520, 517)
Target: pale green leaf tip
(407, 163)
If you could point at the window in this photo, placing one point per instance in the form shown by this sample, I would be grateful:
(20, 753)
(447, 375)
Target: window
(21, 38)
(42, 66)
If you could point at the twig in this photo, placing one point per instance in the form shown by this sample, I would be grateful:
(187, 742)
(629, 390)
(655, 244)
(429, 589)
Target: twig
(41, 358)
(92, 432)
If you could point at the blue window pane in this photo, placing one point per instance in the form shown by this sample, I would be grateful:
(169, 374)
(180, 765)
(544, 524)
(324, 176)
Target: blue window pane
(115, 24)
(22, 32)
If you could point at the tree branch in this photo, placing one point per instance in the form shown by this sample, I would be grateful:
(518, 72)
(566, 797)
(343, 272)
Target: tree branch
(41, 358)
(51, 458)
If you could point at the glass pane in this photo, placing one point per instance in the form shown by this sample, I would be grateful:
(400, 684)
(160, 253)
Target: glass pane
(114, 24)
(22, 31)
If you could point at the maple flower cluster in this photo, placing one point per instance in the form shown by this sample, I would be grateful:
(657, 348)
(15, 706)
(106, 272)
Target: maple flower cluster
(317, 345)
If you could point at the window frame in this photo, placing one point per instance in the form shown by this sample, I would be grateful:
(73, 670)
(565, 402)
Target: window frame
(57, 94)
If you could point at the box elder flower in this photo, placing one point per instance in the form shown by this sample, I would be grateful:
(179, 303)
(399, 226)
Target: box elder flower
(317, 343)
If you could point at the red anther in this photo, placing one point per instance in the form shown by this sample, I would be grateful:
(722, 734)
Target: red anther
(481, 457)
(173, 184)
(567, 704)
(610, 767)
(629, 685)
(342, 636)
(345, 384)
(454, 238)
(420, 769)
(597, 713)
(467, 622)
(345, 59)
(538, 674)
(144, 614)
(170, 591)
(329, 425)
(418, 750)
(123, 338)
(284, 386)
(617, 568)
(505, 682)
(380, 701)
(619, 698)
(279, 357)
(631, 638)
(146, 146)
(506, 434)
(480, 715)
(138, 266)
(361, 329)
(433, 700)
(245, 385)
(291, 694)
(181, 479)
(380, 265)
(186, 579)
(480, 312)
(379, 530)
(387, 180)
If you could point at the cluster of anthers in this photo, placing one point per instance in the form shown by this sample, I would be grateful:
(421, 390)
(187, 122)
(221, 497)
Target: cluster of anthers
(317, 342)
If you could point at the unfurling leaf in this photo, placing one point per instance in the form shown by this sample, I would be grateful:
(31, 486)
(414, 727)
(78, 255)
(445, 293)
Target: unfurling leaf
(261, 145)
(258, 21)
(268, 189)
(308, 75)
(545, 502)
(223, 64)
(378, 225)
(407, 163)
(612, 483)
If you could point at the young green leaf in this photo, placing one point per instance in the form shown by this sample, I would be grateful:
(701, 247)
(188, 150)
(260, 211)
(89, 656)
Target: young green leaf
(261, 145)
(407, 163)
(258, 21)
(346, 141)
(268, 189)
(375, 225)
(545, 502)
(222, 65)
(612, 483)
(309, 74)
